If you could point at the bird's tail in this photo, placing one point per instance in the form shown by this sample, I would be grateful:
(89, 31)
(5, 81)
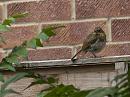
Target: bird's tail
(72, 59)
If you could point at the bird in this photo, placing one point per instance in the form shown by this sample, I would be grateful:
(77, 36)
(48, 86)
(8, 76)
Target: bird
(93, 43)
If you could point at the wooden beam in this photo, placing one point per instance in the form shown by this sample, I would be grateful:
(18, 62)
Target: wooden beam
(78, 62)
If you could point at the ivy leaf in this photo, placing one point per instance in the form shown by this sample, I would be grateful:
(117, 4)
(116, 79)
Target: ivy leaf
(62, 91)
(38, 43)
(8, 91)
(41, 94)
(31, 43)
(20, 15)
(20, 51)
(38, 81)
(9, 21)
(13, 79)
(3, 28)
(128, 75)
(49, 30)
(34, 43)
(51, 80)
(101, 92)
(43, 36)
(81, 93)
(6, 65)
(12, 59)
(1, 77)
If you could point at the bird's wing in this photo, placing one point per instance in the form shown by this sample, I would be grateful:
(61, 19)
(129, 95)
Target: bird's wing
(91, 39)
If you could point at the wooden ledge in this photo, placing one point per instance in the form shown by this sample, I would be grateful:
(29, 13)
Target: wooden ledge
(79, 62)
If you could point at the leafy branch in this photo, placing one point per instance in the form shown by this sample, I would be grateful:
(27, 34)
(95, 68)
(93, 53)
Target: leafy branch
(20, 52)
(4, 26)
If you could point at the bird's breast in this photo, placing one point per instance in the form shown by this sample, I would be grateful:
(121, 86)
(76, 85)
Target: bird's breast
(97, 46)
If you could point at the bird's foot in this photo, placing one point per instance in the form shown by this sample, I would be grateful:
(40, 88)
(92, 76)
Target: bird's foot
(74, 60)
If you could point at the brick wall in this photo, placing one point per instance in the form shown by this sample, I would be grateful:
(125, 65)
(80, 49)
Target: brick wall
(79, 16)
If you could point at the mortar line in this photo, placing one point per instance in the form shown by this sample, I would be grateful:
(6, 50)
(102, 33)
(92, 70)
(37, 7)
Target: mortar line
(127, 17)
(119, 42)
(73, 10)
(45, 47)
(61, 22)
(39, 28)
(109, 29)
(10, 2)
(53, 47)
(4, 11)
(68, 21)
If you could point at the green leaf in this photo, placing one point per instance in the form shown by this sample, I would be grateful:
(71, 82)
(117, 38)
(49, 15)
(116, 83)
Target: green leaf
(51, 80)
(38, 81)
(41, 94)
(62, 91)
(3, 28)
(20, 51)
(20, 15)
(13, 79)
(101, 92)
(34, 43)
(8, 91)
(119, 77)
(49, 30)
(31, 43)
(12, 59)
(9, 21)
(128, 75)
(6, 65)
(1, 77)
(43, 36)
(38, 43)
(81, 93)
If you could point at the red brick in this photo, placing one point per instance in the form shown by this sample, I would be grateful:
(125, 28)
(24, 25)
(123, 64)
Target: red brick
(46, 10)
(102, 8)
(0, 13)
(49, 54)
(110, 50)
(121, 30)
(73, 33)
(17, 35)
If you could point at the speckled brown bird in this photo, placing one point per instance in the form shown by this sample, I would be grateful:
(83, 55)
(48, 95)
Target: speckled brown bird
(94, 43)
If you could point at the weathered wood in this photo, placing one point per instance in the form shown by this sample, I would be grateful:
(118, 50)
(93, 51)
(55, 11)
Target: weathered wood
(121, 67)
(82, 77)
(68, 62)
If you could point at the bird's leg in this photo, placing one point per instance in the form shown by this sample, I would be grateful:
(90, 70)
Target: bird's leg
(73, 58)
(94, 54)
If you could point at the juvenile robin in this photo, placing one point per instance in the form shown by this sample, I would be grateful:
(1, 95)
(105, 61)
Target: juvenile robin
(94, 43)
